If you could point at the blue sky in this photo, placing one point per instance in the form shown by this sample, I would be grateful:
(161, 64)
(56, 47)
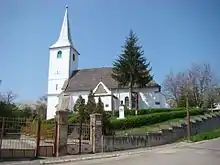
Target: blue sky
(174, 34)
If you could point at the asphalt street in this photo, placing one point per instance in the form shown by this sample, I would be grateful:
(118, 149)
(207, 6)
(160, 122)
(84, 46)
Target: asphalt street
(195, 154)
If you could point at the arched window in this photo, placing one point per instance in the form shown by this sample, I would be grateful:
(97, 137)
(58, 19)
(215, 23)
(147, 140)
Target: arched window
(74, 57)
(59, 54)
(126, 101)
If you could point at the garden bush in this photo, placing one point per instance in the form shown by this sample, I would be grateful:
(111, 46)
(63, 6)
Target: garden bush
(148, 119)
(47, 129)
(145, 111)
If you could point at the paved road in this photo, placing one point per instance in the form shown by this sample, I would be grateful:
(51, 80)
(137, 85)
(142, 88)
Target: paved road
(194, 154)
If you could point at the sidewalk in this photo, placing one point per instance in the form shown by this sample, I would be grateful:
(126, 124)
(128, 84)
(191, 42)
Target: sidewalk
(74, 158)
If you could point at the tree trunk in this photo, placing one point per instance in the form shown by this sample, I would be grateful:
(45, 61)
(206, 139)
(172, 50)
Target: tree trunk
(130, 98)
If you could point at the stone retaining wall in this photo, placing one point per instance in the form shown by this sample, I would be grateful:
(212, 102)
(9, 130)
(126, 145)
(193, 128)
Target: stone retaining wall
(17, 153)
(165, 136)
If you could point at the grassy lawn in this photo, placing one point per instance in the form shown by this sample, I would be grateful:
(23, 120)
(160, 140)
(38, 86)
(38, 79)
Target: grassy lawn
(206, 135)
(151, 128)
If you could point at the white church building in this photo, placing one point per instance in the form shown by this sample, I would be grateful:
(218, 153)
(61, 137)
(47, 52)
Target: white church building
(66, 78)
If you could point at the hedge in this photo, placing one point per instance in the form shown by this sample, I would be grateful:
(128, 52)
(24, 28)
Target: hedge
(144, 120)
(144, 111)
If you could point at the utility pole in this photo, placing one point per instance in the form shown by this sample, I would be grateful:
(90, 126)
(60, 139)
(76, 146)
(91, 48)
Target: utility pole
(188, 89)
(188, 119)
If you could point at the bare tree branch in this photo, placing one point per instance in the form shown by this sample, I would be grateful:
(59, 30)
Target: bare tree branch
(172, 85)
(198, 82)
(9, 97)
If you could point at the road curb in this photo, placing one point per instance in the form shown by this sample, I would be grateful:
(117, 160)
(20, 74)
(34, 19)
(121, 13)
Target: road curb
(68, 160)
(78, 159)
(64, 159)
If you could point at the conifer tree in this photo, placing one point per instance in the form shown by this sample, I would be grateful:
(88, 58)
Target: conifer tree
(131, 68)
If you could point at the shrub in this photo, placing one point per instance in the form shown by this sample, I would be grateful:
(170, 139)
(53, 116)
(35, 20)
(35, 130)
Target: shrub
(145, 111)
(148, 119)
(47, 129)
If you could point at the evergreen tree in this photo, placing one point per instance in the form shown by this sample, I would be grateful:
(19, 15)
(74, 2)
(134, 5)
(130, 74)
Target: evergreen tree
(91, 104)
(106, 129)
(131, 68)
(100, 107)
(80, 109)
(78, 101)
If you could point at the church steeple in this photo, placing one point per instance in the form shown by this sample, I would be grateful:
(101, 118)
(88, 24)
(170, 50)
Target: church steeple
(65, 35)
(63, 60)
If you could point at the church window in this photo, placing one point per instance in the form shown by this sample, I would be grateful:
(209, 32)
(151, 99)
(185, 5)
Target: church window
(73, 57)
(59, 54)
(157, 103)
(126, 101)
(83, 100)
(56, 86)
(106, 105)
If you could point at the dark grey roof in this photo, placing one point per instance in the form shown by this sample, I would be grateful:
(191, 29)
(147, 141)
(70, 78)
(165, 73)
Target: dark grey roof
(88, 79)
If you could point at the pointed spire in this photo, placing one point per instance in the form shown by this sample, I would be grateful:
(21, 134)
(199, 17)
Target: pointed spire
(65, 35)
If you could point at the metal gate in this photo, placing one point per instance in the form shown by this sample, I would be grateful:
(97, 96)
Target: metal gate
(78, 139)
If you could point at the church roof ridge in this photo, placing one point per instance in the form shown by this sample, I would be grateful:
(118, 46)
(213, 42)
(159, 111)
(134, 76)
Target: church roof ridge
(105, 67)
(87, 79)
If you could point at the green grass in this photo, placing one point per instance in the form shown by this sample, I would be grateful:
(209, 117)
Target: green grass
(150, 119)
(206, 135)
(158, 126)
(151, 128)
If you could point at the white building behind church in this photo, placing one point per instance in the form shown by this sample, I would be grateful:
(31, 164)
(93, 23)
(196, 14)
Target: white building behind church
(65, 77)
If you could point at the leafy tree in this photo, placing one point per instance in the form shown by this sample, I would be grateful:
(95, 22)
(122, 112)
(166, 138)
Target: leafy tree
(182, 101)
(91, 104)
(131, 68)
(6, 110)
(9, 97)
(41, 107)
(199, 82)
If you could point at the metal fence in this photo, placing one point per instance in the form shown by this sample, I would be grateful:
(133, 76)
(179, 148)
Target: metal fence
(22, 137)
(79, 135)
(17, 137)
(17, 133)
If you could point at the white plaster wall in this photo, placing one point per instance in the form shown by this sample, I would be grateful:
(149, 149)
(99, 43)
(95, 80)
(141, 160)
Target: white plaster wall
(74, 64)
(84, 94)
(75, 96)
(147, 97)
(61, 64)
(107, 101)
(59, 71)
(52, 101)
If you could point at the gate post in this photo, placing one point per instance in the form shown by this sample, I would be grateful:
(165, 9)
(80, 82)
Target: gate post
(62, 132)
(38, 131)
(96, 132)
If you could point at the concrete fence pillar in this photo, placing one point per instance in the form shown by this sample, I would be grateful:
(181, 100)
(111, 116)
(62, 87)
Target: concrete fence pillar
(62, 132)
(96, 132)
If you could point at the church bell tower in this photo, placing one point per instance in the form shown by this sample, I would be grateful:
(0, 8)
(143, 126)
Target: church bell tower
(63, 61)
